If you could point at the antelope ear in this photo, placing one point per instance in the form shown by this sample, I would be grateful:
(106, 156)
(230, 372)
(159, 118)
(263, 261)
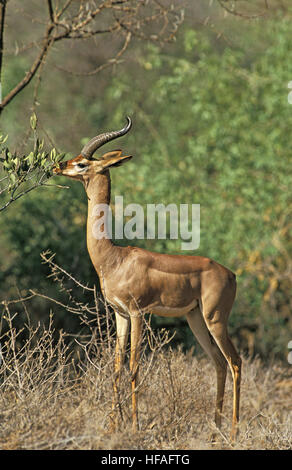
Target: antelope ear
(114, 158)
(111, 154)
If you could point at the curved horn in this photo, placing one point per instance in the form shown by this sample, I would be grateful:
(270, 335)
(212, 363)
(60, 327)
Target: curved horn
(89, 149)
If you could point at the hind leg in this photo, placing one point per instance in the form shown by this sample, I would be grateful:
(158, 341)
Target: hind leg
(201, 332)
(216, 321)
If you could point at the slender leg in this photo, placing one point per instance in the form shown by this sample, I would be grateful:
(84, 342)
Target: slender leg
(201, 332)
(235, 365)
(122, 328)
(136, 333)
(218, 329)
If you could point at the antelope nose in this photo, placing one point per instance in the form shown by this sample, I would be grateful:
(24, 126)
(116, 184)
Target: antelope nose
(59, 168)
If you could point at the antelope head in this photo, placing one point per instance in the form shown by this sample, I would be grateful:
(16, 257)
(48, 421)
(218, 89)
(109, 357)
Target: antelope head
(85, 166)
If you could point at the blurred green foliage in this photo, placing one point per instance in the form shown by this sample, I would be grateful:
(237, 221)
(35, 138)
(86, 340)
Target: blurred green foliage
(211, 127)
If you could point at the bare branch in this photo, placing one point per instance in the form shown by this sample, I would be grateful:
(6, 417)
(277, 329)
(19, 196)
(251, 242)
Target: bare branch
(48, 256)
(51, 10)
(2, 21)
(147, 20)
(17, 301)
(110, 62)
(62, 11)
(31, 73)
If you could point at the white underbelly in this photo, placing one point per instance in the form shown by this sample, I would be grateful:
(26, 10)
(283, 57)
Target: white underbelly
(161, 310)
(165, 311)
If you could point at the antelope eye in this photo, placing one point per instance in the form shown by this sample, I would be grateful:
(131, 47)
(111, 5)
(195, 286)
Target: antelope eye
(81, 165)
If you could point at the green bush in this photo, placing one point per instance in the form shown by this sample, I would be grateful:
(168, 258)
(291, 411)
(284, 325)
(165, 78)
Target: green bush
(211, 126)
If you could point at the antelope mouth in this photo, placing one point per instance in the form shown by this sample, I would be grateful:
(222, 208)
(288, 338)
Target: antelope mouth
(56, 170)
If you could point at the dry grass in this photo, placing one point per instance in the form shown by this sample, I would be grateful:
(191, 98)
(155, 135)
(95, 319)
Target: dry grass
(57, 393)
(57, 397)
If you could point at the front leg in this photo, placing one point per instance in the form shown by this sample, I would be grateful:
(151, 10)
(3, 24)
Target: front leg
(136, 339)
(122, 328)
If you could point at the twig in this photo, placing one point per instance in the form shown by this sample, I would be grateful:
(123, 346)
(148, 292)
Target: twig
(54, 266)
(16, 301)
(110, 62)
(234, 12)
(2, 21)
(51, 10)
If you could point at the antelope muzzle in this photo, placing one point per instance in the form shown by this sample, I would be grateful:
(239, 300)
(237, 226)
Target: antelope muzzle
(59, 168)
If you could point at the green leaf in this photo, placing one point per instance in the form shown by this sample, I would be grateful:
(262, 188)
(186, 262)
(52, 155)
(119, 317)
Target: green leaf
(12, 178)
(53, 154)
(33, 121)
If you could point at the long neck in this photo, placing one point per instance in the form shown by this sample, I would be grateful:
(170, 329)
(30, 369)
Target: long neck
(99, 243)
